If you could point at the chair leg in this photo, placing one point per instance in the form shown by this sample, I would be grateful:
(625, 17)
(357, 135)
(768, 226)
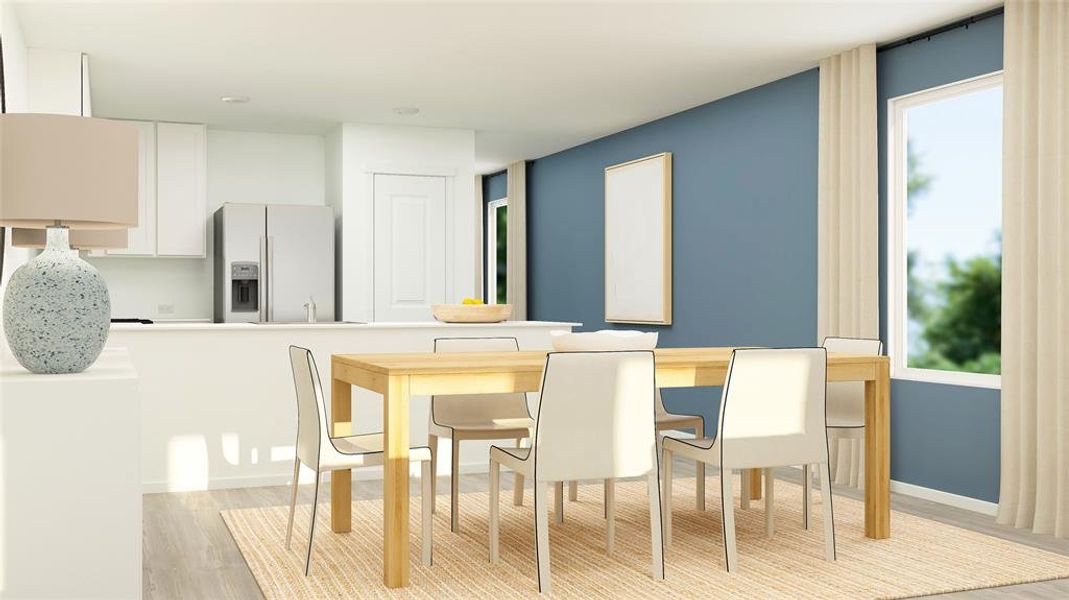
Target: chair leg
(699, 484)
(610, 516)
(861, 463)
(744, 501)
(855, 462)
(833, 455)
(312, 528)
(293, 500)
(829, 516)
(454, 488)
(558, 499)
(667, 492)
(432, 441)
(769, 502)
(573, 491)
(653, 490)
(517, 481)
(807, 494)
(426, 502)
(542, 535)
(727, 506)
(605, 497)
(495, 507)
(842, 466)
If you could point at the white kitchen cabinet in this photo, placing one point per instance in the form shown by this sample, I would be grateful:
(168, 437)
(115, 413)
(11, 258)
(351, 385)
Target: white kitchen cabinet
(142, 239)
(57, 82)
(181, 190)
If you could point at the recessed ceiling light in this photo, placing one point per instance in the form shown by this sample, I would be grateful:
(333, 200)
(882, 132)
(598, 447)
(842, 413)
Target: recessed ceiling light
(406, 110)
(235, 99)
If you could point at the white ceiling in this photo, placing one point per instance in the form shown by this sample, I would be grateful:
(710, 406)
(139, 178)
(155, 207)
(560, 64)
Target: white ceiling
(529, 78)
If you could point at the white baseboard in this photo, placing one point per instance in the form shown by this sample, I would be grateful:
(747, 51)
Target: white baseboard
(230, 483)
(964, 502)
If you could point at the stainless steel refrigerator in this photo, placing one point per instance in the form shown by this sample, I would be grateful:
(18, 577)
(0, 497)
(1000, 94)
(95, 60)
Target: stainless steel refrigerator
(272, 261)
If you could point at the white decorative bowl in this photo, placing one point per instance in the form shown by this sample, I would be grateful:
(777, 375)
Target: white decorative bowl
(604, 340)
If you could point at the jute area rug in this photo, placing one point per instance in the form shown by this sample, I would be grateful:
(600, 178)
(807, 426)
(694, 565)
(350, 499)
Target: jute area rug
(922, 556)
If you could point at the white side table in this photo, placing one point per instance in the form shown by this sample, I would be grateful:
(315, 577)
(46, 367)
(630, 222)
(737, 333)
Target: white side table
(70, 481)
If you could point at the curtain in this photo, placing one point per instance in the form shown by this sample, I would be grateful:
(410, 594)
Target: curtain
(516, 294)
(1034, 489)
(847, 253)
(480, 214)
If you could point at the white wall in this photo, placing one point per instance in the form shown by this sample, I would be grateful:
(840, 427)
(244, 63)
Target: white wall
(243, 166)
(15, 86)
(370, 149)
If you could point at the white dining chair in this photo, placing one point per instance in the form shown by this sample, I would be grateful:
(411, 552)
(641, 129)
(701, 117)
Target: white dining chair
(475, 417)
(771, 415)
(595, 421)
(846, 421)
(665, 422)
(320, 452)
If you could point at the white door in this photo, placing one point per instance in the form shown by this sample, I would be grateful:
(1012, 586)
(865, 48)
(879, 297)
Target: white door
(409, 246)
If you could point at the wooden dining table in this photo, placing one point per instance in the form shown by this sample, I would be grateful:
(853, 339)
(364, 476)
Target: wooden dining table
(398, 377)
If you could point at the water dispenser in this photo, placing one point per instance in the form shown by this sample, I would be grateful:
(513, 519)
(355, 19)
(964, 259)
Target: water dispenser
(244, 287)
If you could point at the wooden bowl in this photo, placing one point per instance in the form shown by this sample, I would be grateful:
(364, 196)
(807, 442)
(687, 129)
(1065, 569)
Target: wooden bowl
(472, 313)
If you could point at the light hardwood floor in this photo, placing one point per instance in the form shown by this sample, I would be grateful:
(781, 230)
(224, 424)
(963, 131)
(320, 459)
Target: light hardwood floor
(188, 552)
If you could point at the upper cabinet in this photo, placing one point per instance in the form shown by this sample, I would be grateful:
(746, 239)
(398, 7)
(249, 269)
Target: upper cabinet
(181, 190)
(57, 81)
(141, 240)
(172, 192)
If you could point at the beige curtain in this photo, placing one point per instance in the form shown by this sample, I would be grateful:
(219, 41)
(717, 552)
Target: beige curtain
(1035, 268)
(847, 254)
(517, 240)
(480, 214)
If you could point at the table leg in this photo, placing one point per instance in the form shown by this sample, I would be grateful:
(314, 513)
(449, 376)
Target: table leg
(878, 454)
(395, 483)
(341, 492)
(755, 484)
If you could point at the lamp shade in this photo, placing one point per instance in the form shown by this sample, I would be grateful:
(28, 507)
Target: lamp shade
(74, 171)
(90, 239)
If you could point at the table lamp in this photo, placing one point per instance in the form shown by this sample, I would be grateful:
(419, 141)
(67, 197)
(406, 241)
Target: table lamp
(80, 239)
(61, 173)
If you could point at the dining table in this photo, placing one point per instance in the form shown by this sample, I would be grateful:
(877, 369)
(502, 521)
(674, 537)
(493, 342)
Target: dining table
(398, 377)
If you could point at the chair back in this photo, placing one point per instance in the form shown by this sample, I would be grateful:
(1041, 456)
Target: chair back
(772, 408)
(312, 429)
(846, 399)
(461, 408)
(596, 416)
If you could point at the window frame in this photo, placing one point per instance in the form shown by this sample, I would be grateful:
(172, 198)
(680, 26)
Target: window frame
(897, 319)
(491, 248)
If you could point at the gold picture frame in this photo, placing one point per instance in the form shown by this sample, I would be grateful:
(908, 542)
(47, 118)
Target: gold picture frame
(638, 241)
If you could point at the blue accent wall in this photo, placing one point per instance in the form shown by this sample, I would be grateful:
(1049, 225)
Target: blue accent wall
(745, 243)
(943, 437)
(744, 214)
(495, 186)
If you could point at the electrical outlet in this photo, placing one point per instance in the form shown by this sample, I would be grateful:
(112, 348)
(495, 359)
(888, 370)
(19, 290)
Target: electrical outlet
(165, 309)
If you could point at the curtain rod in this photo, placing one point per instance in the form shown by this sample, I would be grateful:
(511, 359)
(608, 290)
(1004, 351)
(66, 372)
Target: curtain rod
(945, 28)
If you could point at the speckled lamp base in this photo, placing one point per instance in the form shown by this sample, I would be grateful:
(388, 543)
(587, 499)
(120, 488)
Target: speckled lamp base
(57, 312)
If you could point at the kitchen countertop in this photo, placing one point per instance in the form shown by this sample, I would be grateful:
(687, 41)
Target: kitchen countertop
(202, 326)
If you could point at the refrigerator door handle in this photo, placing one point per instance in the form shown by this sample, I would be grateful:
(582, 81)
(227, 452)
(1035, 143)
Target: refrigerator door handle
(270, 278)
(262, 288)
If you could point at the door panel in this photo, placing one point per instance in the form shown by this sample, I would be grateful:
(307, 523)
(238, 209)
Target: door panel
(141, 240)
(301, 259)
(409, 246)
(181, 193)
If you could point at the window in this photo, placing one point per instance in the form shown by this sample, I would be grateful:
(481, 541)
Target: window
(945, 233)
(497, 223)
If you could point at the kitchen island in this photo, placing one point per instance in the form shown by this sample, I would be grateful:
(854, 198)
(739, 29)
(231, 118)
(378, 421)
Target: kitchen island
(218, 404)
